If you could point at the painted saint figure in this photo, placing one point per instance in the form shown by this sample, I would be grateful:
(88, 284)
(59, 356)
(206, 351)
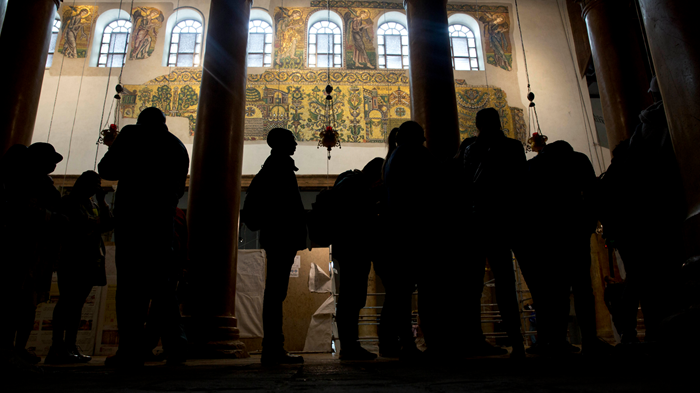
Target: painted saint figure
(495, 27)
(359, 30)
(288, 34)
(146, 30)
(71, 28)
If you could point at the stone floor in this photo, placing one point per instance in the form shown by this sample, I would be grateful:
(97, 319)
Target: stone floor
(324, 372)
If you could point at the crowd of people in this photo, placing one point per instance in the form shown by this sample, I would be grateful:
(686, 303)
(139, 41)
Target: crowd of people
(43, 233)
(410, 209)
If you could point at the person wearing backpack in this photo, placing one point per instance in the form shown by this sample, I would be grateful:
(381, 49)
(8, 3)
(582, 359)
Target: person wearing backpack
(282, 234)
(358, 192)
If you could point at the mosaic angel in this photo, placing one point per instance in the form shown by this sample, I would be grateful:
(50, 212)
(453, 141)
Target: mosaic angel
(495, 28)
(289, 34)
(359, 26)
(147, 22)
(72, 27)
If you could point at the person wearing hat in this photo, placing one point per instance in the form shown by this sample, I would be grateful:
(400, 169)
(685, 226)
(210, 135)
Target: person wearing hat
(32, 223)
(151, 165)
(282, 235)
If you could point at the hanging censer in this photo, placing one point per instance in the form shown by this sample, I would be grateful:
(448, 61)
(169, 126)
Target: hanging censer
(537, 141)
(329, 137)
(107, 136)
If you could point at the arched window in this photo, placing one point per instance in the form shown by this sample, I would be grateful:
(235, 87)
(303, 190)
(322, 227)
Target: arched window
(54, 41)
(186, 44)
(115, 42)
(259, 43)
(325, 45)
(463, 44)
(392, 48)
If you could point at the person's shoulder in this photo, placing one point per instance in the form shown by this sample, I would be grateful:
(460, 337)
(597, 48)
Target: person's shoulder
(513, 144)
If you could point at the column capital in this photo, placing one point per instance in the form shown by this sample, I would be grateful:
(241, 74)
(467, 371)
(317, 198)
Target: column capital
(433, 2)
(587, 5)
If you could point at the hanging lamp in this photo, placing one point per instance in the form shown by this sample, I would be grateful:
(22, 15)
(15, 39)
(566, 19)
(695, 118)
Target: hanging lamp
(329, 137)
(536, 140)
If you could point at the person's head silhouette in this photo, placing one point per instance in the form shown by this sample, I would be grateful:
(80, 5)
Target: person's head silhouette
(87, 185)
(373, 170)
(282, 140)
(151, 117)
(42, 158)
(488, 122)
(410, 133)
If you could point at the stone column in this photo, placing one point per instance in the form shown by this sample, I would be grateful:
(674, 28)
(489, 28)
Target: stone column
(25, 39)
(215, 180)
(433, 97)
(672, 35)
(620, 63)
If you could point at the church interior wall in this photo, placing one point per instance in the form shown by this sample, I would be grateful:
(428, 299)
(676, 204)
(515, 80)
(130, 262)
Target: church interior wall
(553, 78)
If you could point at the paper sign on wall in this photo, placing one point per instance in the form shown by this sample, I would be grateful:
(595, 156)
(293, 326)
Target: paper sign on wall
(295, 267)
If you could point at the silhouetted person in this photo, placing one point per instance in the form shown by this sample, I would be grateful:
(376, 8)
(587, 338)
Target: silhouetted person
(391, 145)
(30, 217)
(157, 315)
(81, 265)
(407, 178)
(151, 165)
(642, 191)
(494, 167)
(12, 165)
(395, 326)
(562, 180)
(283, 234)
(359, 192)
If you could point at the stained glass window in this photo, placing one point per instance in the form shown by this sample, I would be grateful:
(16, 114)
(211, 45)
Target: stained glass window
(325, 45)
(54, 41)
(186, 44)
(392, 49)
(463, 44)
(115, 43)
(259, 44)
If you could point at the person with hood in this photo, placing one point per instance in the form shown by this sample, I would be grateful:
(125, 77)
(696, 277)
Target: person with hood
(281, 236)
(151, 165)
(562, 181)
(494, 167)
(81, 265)
(640, 192)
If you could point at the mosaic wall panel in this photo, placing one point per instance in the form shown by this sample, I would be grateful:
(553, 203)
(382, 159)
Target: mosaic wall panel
(176, 94)
(496, 22)
(76, 27)
(147, 22)
(367, 104)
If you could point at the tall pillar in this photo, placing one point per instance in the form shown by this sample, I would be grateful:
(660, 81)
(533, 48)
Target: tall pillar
(618, 55)
(25, 39)
(672, 35)
(433, 97)
(215, 179)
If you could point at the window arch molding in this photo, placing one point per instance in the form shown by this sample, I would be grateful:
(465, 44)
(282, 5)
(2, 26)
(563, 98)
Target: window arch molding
(320, 16)
(178, 15)
(390, 27)
(101, 23)
(473, 25)
(262, 15)
(55, 38)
